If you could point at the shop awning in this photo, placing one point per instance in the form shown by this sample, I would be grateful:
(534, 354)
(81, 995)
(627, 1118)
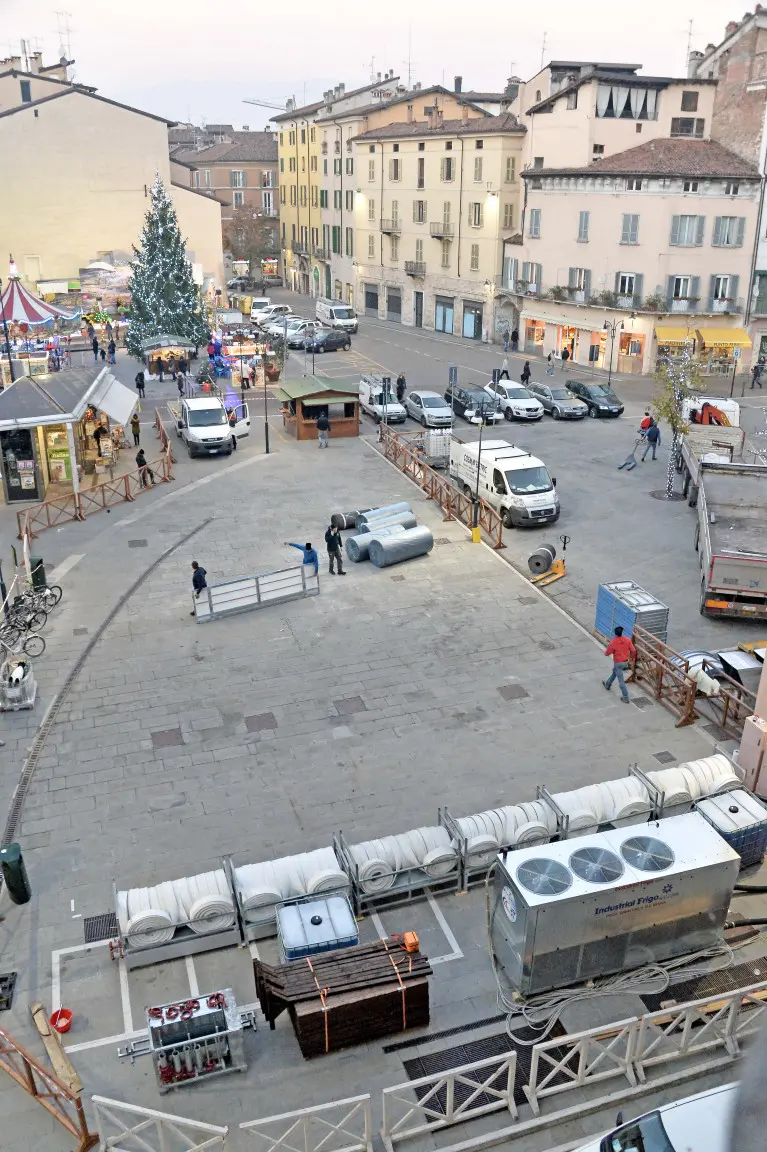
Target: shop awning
(113, 398)
(731, 337)
(672, 334)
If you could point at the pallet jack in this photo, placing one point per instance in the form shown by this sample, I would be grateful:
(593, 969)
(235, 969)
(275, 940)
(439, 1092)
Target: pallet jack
(557, 569)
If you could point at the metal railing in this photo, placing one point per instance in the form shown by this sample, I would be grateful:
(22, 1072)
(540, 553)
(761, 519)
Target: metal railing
(455, 504)
(391, 226)
(441, 229)
(340, 1126)
(584, 1058)
(299, 248)
(415, 268)
(123, 1126)
(320, 253)
(449, 1098)
(64, 1105)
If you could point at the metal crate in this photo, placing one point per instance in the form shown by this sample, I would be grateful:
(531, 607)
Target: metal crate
(625, 603)
(410, 884)
(195, 1040)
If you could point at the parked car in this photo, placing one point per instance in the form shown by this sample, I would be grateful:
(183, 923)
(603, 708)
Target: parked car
(701, 1123)
(473, 404)
(268, 312)
(558, 401)
(328, 340)
(600, 399)
(430, 409)
(300, 332)
(515, 402)
(277, 327)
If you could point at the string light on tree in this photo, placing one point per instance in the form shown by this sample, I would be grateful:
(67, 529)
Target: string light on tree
(164, 296)
(677, 382)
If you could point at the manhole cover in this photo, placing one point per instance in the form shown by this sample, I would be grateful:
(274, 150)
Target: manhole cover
(351, 705)
(261, 723)
(7, 985)
(663, 757)
(79, 631)
(137, 544)
(662, 495)
(547, 646)
(641, 702)
(398, 578)
(170, 738)
(103, 927)
(513, 692)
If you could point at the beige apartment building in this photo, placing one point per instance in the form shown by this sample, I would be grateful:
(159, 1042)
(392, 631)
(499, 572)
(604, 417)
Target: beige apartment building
(239, 171)
(433, 204)
(78, 185)
(624, 258)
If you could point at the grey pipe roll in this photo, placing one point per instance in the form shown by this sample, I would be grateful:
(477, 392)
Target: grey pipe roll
(404, 546)
(357, 546)
(541, 560)
(345, 520)
(383, 512)
(406, 519)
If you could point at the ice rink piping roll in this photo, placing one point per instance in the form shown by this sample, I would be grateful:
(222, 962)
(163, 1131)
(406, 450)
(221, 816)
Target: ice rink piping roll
(406, 546)
(382, 512)
(262, 886)
(406, 519)
(628, 798)
(357, 546)
(346, 520)
(151, 928)
(678, 787)
(205, 901)
(713, 774)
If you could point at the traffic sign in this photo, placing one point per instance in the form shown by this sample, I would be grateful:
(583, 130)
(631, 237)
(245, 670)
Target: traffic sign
(736, 353)
(452, 374)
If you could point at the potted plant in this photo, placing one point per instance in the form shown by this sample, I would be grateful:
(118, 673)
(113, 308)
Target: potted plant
(607, 299)
(654, 302)
(558, 292)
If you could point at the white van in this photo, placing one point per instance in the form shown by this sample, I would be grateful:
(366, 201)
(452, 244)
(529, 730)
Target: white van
(258, 304)
(379, 400)
(336, 314)
(511, 480)
(202, 422)
(699, 1123)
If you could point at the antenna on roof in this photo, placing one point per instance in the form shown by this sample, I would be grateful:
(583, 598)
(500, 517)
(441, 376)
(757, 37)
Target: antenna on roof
(372, 69)
(64, 33)
(689, 39)
(543, 49)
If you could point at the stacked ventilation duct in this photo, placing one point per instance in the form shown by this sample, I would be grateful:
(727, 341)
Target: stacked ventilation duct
(149, 917)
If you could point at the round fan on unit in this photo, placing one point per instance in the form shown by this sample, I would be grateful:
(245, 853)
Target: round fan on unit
(544, 877)
(596, 865)
(647, 854)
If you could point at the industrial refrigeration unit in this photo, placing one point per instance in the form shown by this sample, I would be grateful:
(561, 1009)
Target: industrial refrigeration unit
(609, 902)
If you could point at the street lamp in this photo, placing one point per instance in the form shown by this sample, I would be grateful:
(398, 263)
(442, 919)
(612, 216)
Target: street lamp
(5, 334)
(612, 326)
(476, 536)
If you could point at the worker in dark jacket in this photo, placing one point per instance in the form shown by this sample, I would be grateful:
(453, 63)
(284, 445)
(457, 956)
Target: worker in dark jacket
(310, 555)
(334, 546)
(198, 581)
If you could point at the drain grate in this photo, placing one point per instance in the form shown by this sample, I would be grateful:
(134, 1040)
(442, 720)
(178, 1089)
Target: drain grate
(513, 692)
(350, 706)
(641, 702)
(102, 927)
(717, 731)
(547, 645)
(497, 1045)
(137, 543)
(443, 1035)
(7, 985)
(663, 757)
(712, 984)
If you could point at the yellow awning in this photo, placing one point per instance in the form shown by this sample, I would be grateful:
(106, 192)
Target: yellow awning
(732, 337)
(667, 334)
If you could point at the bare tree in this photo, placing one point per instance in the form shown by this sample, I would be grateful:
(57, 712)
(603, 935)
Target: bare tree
(250, 236)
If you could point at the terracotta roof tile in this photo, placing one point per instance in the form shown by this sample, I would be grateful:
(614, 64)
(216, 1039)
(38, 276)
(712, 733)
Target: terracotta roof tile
(478, 126)
(677, 157)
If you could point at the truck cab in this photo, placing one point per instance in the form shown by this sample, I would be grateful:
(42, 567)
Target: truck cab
(379, 400)
(202, 422)
(509, 479)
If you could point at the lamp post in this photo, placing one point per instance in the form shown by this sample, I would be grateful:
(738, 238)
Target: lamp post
(5, 334)
(612, 326)
(476, 536)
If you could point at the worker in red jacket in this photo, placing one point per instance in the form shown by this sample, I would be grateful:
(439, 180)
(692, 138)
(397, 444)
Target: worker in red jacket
(622, 651)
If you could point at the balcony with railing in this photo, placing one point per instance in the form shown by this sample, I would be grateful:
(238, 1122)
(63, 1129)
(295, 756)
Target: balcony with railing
(415, 268)
(324, 147)
(299, 249)
(337, 147)
(320, 253)
(391, 227)
(731, 305)
(441, 229)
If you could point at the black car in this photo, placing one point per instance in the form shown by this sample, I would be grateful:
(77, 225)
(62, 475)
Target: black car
(600, 399)
(473, 404)
(329, 341)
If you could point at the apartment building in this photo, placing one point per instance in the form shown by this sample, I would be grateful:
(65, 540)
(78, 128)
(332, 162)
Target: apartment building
(239, 172)
(623, 258)
(433, 204)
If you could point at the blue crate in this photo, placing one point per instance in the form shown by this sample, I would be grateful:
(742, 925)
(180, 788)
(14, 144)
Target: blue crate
(741, 820)
(624, 603)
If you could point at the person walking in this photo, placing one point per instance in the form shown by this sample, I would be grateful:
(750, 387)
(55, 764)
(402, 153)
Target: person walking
(401, 387)
(198, 581)
(504, 368)
(135, 428)
(232, 417)
(139, 382)
(565, 357)
(310, 555)
(550, 364)
(103, 355)
(160, 367)
(112, 349)
(622, 651)
(506, 342)
(652, 440)
(526, 373)
(647, 420)
(515, 339)
(323, 430)
(334, 545)
(145, 471)
(756, 375)
(180, 380)
(95, 347)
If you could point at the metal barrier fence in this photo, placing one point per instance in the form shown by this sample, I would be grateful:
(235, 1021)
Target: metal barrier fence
(455, 504)
(584, 1058)
(126, 1126)
(438, 1105)
(165, 443)
(35, 519)
(63, 1104)
(341, 1126)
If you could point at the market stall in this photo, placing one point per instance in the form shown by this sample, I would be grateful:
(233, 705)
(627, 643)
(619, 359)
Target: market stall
(306, 399)
(21, 312)
(172, 352)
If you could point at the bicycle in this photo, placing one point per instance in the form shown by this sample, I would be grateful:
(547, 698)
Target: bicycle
(27, 618)
(32, 645)
(45, 598)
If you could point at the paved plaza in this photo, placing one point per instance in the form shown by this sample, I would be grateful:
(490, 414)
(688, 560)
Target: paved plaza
(180, 742)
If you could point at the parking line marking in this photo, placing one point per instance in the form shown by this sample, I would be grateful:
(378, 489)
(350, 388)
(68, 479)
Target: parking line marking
(65, 566)
(439, 916)
(194, 987)
(379, 925)
(125, 996)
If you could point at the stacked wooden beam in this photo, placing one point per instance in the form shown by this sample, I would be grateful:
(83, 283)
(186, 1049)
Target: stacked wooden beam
(337, 999)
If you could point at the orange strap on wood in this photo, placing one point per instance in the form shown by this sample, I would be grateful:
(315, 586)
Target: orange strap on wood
(323, 993)
(402, 986)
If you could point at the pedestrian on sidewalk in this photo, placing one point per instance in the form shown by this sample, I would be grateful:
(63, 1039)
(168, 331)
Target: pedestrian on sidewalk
(112, 349)
(160, 367)
(310, 556)
(180, 380)
(550, 364)
(401, 384)
(652, 440)
(232, 417)
(135, 428)
(526, 373)
(198, 581)
(565, 357)
(504, 368)
(506, 341)
(145, 472)
(95, 347)
(335, 553)
(515, 339)
(756, 375)
(140, 384)
(622, 651)
(323, 430)
(103, 355)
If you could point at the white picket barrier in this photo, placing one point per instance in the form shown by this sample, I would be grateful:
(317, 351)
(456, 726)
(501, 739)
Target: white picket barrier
(339, 1126)
(125, 1127)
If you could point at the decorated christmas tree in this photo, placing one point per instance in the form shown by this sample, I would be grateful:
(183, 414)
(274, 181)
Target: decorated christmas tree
(164, 296)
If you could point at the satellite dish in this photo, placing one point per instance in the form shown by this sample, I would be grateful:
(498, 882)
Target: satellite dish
(647, 854)
(543, 876)
(596, 865)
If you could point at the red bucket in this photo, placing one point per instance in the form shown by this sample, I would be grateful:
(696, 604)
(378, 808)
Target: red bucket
(61, 1020)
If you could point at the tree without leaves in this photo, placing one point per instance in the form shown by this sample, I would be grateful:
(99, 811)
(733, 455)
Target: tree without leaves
(248, 236)
(164, 296)
(676, 383)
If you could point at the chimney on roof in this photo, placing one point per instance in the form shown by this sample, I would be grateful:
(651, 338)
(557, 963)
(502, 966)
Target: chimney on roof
(731, 27)
(458, 84)
(289, 105)
(693, 60)
(464, 111)
(246, 127)
(378, 77)
(341, 89)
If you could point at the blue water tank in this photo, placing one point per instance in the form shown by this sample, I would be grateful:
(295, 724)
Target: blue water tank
(312, 926)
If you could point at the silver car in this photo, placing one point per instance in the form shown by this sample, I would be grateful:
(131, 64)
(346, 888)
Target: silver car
(556, 399)
(429, 409)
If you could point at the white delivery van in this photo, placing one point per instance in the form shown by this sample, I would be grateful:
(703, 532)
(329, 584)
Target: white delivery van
(511, 480)
(379, 400)
(202, 423)
(700, 1123)
(258, 304)
(336, 314)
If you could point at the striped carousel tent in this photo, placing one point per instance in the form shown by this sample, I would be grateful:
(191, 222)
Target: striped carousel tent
(19, 306)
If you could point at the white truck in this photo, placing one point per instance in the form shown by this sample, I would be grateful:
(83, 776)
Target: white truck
(712, 442)
(509, 479)
(202, 422)
(379, 400)
(700, 1123)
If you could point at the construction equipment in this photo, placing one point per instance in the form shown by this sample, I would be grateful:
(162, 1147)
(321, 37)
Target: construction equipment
(709, 413)
(631, 462)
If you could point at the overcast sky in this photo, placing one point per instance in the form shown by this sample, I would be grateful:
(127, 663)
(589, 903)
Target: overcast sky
(185, 59)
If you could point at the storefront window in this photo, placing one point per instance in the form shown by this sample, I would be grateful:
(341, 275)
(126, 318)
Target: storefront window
(534, 333)
(19, 472)
(57, 451)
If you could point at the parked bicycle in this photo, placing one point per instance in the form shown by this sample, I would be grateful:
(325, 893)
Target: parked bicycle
(31, 645)
(40, 598)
